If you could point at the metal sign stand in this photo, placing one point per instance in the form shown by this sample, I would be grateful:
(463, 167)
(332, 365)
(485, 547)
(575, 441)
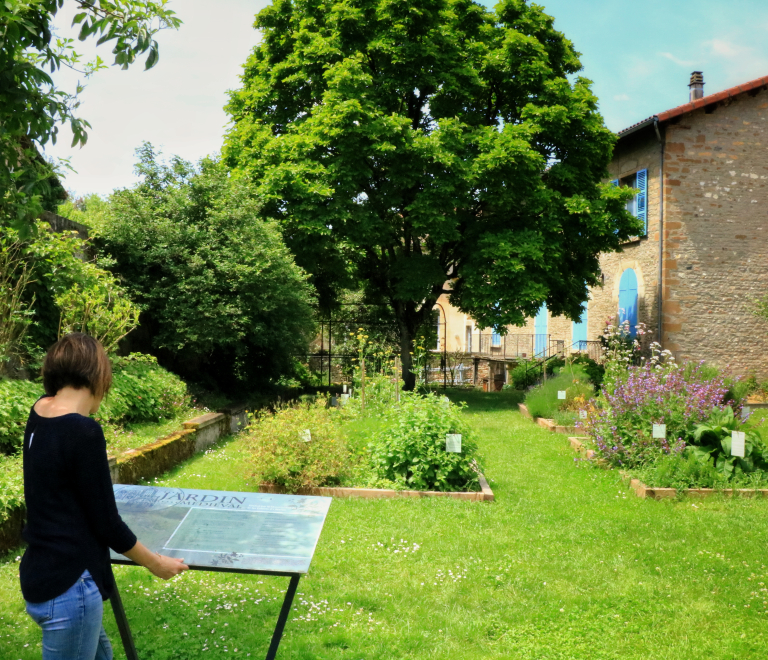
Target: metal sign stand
(282, 619)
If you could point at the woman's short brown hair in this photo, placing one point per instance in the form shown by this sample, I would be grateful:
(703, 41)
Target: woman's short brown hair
(77, 360)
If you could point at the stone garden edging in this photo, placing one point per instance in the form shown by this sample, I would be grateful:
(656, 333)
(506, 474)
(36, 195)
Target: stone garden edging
(647, 492)
(483, 495)
(548, 424)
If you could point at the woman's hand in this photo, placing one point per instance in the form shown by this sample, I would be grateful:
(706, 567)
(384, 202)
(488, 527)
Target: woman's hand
(157, 564)
(167, 567)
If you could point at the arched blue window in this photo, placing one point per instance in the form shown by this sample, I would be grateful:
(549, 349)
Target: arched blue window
(540, 328)
(579, 336)
(628, 300)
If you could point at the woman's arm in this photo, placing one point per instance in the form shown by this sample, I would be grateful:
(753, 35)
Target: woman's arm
(157, 564)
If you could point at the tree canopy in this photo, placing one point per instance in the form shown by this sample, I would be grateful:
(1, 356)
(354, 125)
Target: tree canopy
(403, 144)
(32, 108)
(222, 299)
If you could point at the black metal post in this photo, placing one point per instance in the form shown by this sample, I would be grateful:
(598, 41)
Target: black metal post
(330, 341)
(283, 618)
(322, 339)
(122, 625)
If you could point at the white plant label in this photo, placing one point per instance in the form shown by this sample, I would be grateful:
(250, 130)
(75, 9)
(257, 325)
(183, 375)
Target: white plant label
(582, 414)
(561, 394)
(738, 441)
(305, 435)
(659, 430)
(345, 388)
(745, 413)
(453, 442)
(344, 398)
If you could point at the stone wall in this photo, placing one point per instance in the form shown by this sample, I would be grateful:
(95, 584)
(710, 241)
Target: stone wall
(716, 234)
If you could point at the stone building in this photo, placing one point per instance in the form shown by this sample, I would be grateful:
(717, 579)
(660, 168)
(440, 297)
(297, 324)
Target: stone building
(701, 170)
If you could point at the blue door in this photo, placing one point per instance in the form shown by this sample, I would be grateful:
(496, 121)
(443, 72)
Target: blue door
(628, 300)
(540, 328)
(579, 336)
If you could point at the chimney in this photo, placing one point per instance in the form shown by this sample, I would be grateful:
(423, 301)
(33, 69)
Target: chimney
(696, 85)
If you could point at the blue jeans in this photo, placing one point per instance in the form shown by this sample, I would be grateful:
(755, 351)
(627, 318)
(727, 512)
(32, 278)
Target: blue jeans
(71, 623)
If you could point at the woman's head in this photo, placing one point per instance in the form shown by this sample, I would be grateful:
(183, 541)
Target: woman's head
(78, 361)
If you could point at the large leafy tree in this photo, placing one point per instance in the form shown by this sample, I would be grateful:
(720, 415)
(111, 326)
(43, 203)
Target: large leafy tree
(428, 146)
(31, 106)
(222, 299)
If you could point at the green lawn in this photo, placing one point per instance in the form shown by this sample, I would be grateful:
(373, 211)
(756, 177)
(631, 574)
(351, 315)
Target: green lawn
(565, 564)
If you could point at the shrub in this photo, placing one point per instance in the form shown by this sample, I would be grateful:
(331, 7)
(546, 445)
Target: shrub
(410, 447)
(142, 391)
(16, 399)
(686, 471)
(711, 444)
(11, 485)
(281, 454)
(542, 401)
(523, 376)
(621, 422)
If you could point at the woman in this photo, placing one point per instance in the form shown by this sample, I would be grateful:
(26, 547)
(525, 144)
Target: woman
(72, 519)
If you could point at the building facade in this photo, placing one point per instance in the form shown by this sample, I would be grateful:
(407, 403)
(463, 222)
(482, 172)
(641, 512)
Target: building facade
(701, 171)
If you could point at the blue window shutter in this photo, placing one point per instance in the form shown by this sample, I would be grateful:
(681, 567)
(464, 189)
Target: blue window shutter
(628, 300)
(642, 198)
(615, 183)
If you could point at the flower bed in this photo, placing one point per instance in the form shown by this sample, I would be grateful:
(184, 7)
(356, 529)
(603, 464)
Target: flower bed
(673, 426)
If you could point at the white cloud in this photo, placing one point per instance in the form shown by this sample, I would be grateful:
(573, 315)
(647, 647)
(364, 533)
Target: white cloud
(723, 48)
(621, 97)
(677, 60)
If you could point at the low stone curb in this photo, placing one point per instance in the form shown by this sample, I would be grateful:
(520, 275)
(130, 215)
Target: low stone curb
(484, 495)
(646, 492)
(548, 424)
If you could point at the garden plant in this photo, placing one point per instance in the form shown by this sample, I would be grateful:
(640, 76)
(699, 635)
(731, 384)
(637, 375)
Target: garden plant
(694, 409)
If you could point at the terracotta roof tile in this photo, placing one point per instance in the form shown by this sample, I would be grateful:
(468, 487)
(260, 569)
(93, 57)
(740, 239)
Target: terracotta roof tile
(699, 103)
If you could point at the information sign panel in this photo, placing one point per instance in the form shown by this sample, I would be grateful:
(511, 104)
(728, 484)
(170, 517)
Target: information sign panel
(738, 443)
(453, 442)
(256, 532)
(745, 413)
(561, 395)
(659, 430)
(582, 414)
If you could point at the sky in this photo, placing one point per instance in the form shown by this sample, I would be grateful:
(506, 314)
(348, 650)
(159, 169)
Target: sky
(639, 57)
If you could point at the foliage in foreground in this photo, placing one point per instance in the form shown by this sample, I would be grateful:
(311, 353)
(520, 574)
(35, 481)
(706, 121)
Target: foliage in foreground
(410, 448)
(222, 299)
(440, 141)
(33, 106)
(50, 288)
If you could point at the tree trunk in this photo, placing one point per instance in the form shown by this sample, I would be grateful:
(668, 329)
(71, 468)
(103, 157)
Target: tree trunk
(406, 358)
(409, 320)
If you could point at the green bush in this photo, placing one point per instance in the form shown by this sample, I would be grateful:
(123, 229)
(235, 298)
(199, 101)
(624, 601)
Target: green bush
(686, 471)
(523, 376)
(11, 485)
(283, 454)
(410, 447)
(594, 371)
(542, 401)
(142, 391)
(16, 399)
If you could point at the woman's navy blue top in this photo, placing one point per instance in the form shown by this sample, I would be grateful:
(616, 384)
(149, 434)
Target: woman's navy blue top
(72, 518)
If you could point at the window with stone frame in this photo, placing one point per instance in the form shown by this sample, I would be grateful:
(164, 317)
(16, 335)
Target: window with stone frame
(638, 205)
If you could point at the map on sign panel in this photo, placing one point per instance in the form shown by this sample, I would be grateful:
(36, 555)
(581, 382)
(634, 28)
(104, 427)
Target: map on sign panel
(218, 529)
